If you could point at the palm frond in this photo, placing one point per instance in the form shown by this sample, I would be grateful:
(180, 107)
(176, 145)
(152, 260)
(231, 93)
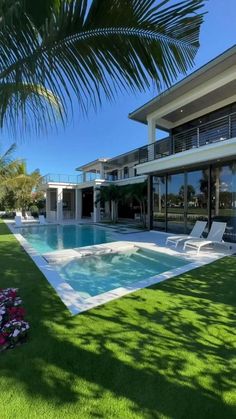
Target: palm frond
(6, 159)
(92, 50)
(19, 100)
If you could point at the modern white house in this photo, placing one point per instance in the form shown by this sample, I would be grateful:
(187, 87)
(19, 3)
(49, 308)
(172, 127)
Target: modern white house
(191, 172)
(76, 196)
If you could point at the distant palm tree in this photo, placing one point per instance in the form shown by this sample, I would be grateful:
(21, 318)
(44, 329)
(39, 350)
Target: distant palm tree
(112, 194)
(138, 191)
(52, 50)
(8, 164)
(22, 184)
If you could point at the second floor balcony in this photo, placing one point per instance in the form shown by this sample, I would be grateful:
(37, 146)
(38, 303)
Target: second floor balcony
(218, 130)
(70, 179)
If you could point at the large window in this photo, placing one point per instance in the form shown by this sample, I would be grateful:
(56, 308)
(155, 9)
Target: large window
(175, 203)
(223, 199)
(179, 200)
(126, 172)
(159, 202)
(197, 197)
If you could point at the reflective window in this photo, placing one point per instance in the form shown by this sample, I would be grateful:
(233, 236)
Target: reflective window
(175, 203)
(224, 198)
(197, 197)
(126, 172)
(159, 202)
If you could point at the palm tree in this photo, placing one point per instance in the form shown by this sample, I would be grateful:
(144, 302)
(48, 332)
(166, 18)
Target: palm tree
(22, 184)
(52, 50)
(112, 194)
(138, 191)
(7, 163)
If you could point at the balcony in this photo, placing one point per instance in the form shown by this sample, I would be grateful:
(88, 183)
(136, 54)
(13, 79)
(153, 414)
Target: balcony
(70, 179)
(219, 130)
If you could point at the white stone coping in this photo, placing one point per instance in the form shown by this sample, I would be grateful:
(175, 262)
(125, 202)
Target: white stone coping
(73, 300)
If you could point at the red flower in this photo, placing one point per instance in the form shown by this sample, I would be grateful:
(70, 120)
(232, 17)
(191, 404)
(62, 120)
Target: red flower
(2, 340)
(12, 294)
(17, 313)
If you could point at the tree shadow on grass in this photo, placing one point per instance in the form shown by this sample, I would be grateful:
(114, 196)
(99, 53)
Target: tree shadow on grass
(158, 350)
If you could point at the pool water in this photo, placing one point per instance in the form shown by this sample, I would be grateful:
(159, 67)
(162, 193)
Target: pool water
(94, 275)
(56, 237)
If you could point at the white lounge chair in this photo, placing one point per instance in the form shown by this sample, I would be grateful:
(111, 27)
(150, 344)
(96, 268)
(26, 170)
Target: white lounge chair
(214, 237)
(29, 216)
(196, 233)
(42, 220)
(18, 221)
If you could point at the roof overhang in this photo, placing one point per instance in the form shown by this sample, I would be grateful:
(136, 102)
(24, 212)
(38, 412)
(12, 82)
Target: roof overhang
(92, 166)
(205, 90)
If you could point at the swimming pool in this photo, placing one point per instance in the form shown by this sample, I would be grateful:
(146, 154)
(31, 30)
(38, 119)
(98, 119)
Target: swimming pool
(93, 275)
(57, 237)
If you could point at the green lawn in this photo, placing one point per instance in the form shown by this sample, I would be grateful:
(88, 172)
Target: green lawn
(163, 352)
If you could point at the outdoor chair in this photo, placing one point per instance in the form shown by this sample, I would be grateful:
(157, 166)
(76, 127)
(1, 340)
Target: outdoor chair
(29, 216)
(196, 232)
(214, 237)
(42, 219)
(18, 221)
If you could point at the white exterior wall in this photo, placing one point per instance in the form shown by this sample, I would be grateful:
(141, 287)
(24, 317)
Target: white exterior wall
(48, 203)
(96, 207)
(78, 204)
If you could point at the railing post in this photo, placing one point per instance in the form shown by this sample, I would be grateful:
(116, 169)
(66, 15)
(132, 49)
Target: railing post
(198, 137)
(171, 144)
(230, 127)
(151, 152)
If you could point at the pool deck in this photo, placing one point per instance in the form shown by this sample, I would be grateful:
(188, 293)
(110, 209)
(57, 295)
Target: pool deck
(150, 240)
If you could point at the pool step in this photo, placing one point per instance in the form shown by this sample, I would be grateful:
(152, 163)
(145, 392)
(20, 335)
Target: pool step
(60, 255)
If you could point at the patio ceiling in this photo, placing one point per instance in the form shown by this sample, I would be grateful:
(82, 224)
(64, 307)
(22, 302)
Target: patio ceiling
(214, 84)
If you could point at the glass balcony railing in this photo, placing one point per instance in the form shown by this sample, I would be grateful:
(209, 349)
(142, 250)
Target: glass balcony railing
(71, 179)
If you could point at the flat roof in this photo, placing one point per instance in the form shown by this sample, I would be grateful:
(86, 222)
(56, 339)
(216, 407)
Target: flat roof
(92, 163)
(213, 68)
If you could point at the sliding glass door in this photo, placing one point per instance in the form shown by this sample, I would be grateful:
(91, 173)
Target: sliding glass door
(209, 194)
(223, 198)
(197, 189)
(159, 202)
(175, 202)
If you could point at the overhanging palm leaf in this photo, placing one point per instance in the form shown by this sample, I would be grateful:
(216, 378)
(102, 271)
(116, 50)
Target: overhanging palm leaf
(97, 49)
(20, 99)
(8, 165)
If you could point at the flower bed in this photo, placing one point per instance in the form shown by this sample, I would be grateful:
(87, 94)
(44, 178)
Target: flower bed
(13, 327)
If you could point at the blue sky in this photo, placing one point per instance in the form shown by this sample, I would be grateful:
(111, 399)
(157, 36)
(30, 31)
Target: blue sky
(109, 132)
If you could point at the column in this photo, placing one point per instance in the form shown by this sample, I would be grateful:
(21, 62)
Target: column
(96, 205)
(59, 204)
(151, 138)
(149, 203)
(48, 204)
(102, 173)
(78, 204)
